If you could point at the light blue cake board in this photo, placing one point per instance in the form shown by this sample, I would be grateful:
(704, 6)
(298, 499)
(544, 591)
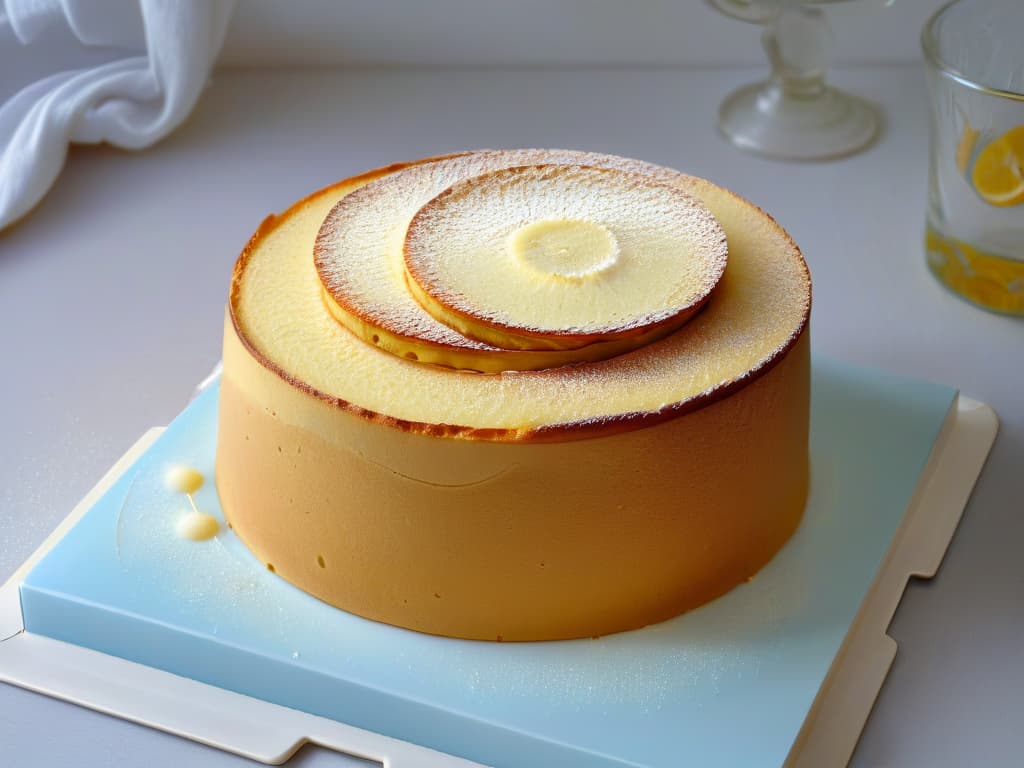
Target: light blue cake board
(116, 613)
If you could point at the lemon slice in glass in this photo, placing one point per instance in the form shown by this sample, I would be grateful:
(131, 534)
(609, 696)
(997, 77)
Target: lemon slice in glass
(998, 174)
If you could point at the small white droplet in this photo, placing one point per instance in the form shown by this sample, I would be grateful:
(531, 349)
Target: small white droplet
(197, 526)
(183, 479)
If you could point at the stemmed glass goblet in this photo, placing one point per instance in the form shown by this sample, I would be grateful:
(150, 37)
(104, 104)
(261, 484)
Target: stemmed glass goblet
(794, 114)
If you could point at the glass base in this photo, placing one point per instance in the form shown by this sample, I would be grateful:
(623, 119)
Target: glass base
(761, 118)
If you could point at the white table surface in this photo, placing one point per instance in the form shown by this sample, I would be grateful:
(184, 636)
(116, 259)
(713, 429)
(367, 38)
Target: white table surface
(112, 292)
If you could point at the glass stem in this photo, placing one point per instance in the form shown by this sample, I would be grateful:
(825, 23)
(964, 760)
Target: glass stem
(797, 40)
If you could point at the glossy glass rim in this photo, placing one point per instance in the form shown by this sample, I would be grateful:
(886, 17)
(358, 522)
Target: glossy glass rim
(930, 46)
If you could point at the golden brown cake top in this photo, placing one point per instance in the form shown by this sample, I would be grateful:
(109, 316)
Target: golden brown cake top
(755, 314)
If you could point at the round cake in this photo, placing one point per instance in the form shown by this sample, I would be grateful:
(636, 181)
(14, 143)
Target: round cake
(516, 394)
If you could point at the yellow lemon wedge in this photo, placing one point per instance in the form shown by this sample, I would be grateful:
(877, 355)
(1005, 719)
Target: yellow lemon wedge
(998, 174)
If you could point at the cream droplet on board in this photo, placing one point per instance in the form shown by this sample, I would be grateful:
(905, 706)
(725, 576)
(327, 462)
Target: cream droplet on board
(183, 479)
(197, 526)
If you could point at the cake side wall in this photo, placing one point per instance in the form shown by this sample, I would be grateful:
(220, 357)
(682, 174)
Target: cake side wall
(512, 541)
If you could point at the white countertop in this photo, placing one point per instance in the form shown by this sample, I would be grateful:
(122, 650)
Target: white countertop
(112, 293)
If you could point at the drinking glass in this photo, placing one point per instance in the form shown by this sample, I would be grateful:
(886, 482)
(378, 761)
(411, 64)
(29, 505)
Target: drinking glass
(974, 236)
(794, 114)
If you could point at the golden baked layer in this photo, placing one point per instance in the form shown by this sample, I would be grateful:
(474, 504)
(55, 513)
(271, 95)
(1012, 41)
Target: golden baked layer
(559, 256)
(359, 258)
(525, 505)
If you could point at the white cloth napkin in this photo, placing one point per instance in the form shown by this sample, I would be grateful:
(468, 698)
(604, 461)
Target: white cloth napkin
(130, 102)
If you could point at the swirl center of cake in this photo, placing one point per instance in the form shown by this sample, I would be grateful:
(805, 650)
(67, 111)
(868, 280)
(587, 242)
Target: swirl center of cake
(565, 248)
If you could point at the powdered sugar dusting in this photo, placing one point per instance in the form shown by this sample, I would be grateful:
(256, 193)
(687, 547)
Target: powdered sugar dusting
(358, 251)
(672, 250)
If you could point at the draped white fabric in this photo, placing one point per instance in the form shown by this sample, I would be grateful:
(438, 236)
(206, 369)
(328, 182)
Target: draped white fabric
(162, 53)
